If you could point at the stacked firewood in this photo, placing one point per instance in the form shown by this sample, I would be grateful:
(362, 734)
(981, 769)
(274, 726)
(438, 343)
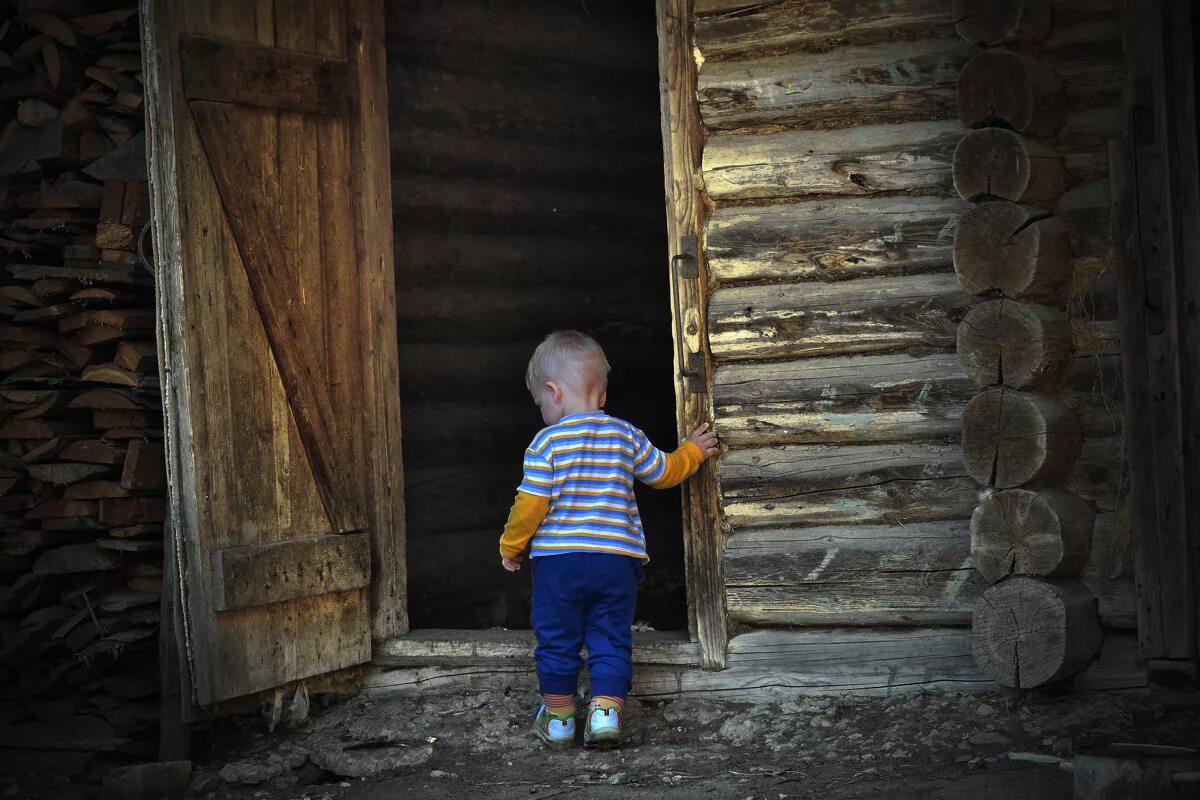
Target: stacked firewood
(1030, 535)
(81, 453)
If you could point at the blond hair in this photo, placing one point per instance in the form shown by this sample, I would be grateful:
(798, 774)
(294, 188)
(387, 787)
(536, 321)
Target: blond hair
(570, 356)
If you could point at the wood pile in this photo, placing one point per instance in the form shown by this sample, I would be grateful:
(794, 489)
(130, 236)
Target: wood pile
(1030, 538)
(81, 453)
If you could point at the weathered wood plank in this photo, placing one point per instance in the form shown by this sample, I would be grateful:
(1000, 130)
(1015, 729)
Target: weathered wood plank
(833, 239)
(919, 312)
(849, 484)
(907, 157)
(248, 74)
(870, 398)
(732, 28)
(772, 664)
(847, 87)
(433, 646)
(854, 575)
(259, 574)
(683, 148)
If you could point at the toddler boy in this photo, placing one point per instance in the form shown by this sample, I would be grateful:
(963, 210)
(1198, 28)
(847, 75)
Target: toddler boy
(576, 511)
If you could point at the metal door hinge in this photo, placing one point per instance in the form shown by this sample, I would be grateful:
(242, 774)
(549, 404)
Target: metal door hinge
(689, 354)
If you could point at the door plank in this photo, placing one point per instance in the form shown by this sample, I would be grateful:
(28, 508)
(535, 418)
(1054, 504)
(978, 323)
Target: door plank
(265, 77)
(255, 575)
(259, 244)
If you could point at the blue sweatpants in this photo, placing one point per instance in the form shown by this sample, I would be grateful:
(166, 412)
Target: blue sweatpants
(578, 598)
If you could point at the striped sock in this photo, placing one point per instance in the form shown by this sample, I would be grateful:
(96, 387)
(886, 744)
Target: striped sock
(560, 706)
(606, 702)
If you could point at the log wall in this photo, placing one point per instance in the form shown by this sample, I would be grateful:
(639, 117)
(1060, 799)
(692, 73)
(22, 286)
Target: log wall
(527, 191)
(834, 306)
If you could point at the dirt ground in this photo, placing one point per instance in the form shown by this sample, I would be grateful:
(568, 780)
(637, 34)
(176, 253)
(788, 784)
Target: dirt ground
(452, 746)
(471, 745)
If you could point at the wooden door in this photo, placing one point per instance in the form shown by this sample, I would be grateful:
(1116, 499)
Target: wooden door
(273, 242)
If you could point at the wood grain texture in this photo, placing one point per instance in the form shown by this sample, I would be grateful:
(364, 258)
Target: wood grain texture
(377, 336)
(265, 77)
(862, 316)
(998, 86)
(1028, 632)
(1020, 345)
(1012, 438)
(225, 388)
(728, 29)
(245, 576)
(852, 575)
(1002, 164)
(1017, 531)
(832, 239)
(845, 484)
(842, 399)
(904, 157)
(1019, 250)
(850, 86)
(992, 22)
(683, 148)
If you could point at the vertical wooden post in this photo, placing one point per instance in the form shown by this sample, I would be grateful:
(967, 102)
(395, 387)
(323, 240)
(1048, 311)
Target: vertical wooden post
(683, 147)
(1156, 195)
(372, 191)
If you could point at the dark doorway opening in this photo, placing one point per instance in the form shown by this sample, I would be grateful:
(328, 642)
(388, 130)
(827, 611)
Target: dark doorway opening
(527, 188)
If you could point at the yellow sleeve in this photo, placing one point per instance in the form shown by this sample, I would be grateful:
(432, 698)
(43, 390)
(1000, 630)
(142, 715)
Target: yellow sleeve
(681, 465)
(527, 513)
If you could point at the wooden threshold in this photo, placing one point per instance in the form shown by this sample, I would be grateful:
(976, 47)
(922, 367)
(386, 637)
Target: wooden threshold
(448, 647)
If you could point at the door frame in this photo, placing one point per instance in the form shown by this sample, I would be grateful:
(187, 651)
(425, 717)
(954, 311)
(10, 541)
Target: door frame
(683, 149)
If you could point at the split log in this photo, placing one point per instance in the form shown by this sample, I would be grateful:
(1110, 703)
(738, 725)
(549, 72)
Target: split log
(52, 145)
(911, 156)
(1017, 531)
(1027, 632)
(994, 22)
(1011, 438)
(95, 490)
(844, 485)
(122, 511)
(1016, 344)
(145, 467)
(75, 558)
(872, 398)
(842, 88)
(1018, 250)
(64, 474)
(999, 163)
(919, 312)
(138, 357)
(851, 575)
(60, 508)
(1000, 87)
(832, 239)
(32, 112)
(753, 27)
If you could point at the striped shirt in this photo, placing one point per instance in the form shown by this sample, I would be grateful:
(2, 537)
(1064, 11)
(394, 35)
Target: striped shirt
(585, 464)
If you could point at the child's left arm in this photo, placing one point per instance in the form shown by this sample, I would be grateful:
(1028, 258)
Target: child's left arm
(527, 512)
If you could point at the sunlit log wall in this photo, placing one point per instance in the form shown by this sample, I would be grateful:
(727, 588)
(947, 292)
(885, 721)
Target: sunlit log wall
(842, 165)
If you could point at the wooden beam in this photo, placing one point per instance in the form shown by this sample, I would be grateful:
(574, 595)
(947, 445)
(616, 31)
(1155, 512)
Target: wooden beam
(255, 575)
(264, 77)
(374, 249)
(683, 148)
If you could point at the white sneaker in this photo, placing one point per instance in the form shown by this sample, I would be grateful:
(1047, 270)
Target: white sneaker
(556, 733)
(603, 728)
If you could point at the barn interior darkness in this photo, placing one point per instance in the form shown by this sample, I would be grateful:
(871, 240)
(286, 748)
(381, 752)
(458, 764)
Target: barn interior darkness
(527, 194)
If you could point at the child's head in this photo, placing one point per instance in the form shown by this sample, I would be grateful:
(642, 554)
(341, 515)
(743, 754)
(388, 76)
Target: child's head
(568, 374)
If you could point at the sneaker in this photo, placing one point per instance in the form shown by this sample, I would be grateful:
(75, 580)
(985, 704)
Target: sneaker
(603, 728)
(553, 732)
